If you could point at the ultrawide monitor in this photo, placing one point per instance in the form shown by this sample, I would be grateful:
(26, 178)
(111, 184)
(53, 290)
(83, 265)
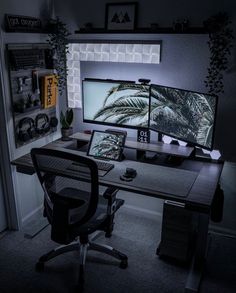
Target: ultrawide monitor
(115, 103)
(185, 115)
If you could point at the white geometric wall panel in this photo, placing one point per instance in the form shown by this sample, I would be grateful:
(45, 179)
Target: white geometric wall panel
(105, 52)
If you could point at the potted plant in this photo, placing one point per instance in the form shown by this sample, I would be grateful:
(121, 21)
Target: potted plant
(66, 120)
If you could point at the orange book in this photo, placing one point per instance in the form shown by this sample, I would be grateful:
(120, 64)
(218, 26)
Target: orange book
(49, 91)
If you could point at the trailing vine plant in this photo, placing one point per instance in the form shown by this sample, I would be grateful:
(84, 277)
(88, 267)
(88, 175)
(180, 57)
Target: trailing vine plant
(220, 44)
(57, 39)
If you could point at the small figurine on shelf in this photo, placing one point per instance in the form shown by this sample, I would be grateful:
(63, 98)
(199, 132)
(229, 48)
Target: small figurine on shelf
(19, 107)
(181, 25)
(29, 103)
(88, 26)
(185, 24)
(154, 26)
(37, 102)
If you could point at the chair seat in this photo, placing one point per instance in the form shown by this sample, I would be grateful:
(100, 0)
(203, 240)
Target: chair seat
(99, 219)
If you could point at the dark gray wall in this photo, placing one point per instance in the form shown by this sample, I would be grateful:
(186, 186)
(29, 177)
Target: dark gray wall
(149, 11)
(185, 58)
(28, 194)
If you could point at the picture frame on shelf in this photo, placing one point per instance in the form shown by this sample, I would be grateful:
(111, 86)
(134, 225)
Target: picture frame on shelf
(121, 16)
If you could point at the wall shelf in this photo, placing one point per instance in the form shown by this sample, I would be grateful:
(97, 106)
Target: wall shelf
(27, 110)
(157, 147)
(161, 30)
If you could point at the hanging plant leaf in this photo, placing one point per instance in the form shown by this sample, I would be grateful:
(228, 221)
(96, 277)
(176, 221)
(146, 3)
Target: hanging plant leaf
(220, 44)
(57, 39)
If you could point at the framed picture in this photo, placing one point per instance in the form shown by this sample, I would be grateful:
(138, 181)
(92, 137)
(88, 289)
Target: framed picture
(121, 16)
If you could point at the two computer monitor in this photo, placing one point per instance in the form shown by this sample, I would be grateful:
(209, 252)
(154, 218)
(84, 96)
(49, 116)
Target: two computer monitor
(182, 114)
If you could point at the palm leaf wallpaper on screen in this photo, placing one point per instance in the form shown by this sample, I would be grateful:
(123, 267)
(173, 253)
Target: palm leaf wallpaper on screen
(108, 146)
(183, 114)
(125, 104)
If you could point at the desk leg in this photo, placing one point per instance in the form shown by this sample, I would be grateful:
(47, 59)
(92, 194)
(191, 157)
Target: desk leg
(198, 261)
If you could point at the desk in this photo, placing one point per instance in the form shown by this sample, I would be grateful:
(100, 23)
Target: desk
(198, 196)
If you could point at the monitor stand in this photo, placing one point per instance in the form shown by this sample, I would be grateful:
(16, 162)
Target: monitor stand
(174, 141)
(160, 137)
(162, 159)
(193, 154)
(174, 160)
(166, 159)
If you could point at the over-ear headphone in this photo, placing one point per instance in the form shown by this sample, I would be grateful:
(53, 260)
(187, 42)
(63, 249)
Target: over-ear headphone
(53, 122)
(45, 125)
(26, 134)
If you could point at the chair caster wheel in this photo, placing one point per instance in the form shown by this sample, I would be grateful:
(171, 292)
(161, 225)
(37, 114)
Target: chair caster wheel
(124, 264)
(39, 267)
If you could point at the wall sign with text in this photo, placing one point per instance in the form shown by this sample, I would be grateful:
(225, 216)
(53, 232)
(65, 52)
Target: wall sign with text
(19, 23)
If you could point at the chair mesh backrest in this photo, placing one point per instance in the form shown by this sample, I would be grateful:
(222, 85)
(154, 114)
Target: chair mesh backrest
(69, 178)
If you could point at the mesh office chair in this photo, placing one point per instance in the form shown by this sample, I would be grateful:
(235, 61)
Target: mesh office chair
(73, 206)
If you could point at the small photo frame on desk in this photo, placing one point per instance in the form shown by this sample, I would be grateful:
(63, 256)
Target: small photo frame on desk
(121, 16)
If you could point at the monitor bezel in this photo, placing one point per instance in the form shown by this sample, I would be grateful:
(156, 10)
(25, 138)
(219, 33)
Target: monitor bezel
(109, 123)
(107, 132)
(190, 143)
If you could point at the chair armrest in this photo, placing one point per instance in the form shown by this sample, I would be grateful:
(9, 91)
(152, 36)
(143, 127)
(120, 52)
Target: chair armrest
(113, 203)
(110, 193)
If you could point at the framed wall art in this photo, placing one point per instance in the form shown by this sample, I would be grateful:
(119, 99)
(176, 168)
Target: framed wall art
(121, 16)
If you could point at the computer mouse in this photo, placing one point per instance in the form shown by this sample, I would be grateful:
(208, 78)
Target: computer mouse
(129, 174)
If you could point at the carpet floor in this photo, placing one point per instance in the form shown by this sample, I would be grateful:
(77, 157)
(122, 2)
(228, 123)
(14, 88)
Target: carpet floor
(137, 235)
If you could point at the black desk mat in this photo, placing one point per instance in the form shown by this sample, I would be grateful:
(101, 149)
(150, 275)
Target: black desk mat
(149, 177)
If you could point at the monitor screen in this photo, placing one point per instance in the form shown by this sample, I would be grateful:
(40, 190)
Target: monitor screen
(116, 103)
(106, 145)
(185, 115)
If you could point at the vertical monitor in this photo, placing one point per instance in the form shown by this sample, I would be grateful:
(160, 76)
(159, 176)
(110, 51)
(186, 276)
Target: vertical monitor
(185, 115)
(115, 103)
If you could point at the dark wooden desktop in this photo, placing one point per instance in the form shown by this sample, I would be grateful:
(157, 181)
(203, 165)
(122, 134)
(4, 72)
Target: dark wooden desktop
(199, 193)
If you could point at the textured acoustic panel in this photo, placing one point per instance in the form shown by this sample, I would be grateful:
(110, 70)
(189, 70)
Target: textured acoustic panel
(104, 52)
